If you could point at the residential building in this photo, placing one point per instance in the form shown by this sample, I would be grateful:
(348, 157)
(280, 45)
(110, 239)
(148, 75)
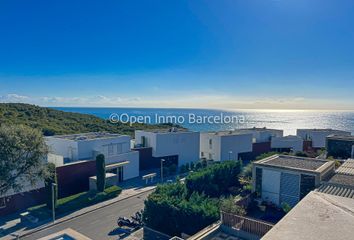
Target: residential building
(119, 158)
(175, 145)
(224, 145)
(261, 140)
(287, 144)
(281, 179)
(339, 146)
(318, 136)
(261, 135)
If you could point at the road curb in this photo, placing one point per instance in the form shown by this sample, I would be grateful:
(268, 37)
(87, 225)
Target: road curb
(38, 229)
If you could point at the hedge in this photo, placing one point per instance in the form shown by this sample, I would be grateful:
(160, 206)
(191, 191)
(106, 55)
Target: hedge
(75, 202)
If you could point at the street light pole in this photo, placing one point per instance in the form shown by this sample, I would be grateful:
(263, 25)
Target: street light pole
(162, 161)
(53, 200)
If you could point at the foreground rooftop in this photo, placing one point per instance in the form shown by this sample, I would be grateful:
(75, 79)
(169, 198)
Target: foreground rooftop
(317, 216)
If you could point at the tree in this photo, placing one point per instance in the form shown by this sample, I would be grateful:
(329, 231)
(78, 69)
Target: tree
(100, 172)
(22, 157)
(229, 205)
(51, 179)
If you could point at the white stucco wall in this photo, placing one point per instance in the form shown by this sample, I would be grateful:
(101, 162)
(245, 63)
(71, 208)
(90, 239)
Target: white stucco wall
(262, 135)
(183, 144)
(86, 148)
(210, 151)
(223, 144)
(318, 136)
(266, 135)
(240, 143)
(130, 170)
(63, 147)
(293, 142)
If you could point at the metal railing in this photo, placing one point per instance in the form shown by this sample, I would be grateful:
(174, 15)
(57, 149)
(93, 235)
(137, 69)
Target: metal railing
(246, 224)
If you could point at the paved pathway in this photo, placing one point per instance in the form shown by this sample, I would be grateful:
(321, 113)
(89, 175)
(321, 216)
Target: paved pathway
(11, 225)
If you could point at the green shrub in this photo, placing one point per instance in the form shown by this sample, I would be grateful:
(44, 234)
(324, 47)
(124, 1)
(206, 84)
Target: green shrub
(51, 179)
(229, 205)
(301, 154)
(183, 169)
(286, 207)
(247, 171)
(75, 202)
(265, 155)
(170, 211)
(214, 180)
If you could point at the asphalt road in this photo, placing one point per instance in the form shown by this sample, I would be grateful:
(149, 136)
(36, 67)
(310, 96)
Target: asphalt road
(100, 224)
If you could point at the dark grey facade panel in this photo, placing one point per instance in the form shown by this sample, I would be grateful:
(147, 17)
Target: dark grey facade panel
(289, 188)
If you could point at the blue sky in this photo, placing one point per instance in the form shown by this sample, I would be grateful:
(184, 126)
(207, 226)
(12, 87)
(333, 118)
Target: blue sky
(281, 54)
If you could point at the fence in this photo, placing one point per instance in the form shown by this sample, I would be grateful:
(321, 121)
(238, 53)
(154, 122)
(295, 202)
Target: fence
(246, 224)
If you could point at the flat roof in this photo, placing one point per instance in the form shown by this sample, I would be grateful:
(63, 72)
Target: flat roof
(317, 216)
(227, 133)
(288, 137)
(87, 136)
(343, 179)
(260, 129)
(322, 130)
(293, 162)
(341, 137)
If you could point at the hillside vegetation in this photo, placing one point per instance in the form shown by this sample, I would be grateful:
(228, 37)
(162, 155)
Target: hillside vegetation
(54, 122)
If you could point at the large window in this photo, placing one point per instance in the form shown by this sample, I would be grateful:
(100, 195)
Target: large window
(259, 181)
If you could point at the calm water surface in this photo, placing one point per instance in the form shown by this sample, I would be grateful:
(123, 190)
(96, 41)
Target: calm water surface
(289, 121)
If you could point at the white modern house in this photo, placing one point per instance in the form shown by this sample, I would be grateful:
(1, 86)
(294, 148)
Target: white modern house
(318, 136)
(262, 134)
(180, 144)
(224, 145)
(292, 143)
(281, 179)
(119, 158)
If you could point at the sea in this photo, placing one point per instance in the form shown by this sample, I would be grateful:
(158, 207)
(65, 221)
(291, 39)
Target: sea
(216, 120)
